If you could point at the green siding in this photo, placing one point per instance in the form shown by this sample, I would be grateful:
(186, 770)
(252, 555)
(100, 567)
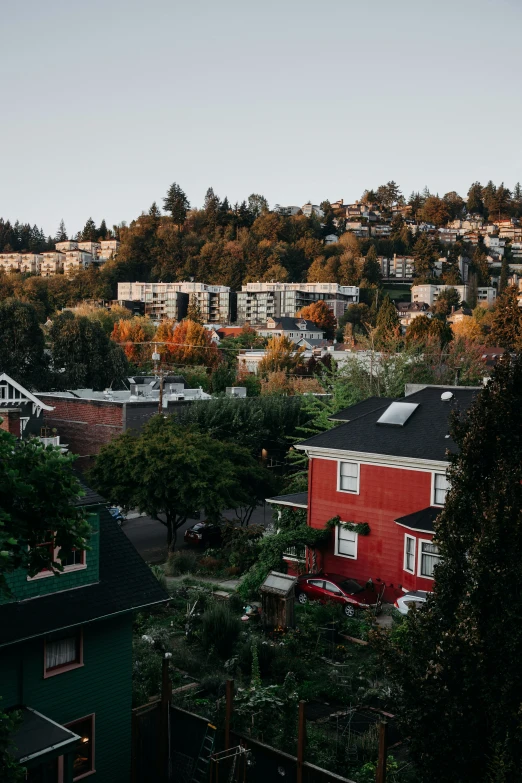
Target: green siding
(102, 686)
(23, 588)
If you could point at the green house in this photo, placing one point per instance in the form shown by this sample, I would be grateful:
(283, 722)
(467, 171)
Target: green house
(66, 657)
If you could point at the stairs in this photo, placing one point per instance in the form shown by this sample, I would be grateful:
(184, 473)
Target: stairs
(201, 769)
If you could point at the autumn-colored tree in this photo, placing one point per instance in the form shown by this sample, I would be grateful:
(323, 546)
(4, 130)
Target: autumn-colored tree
(468, 329)
(436, 211)
(506, 326)
(129, 333)
(189, 343)
(281, 354)
(323, 270)
(320, 314)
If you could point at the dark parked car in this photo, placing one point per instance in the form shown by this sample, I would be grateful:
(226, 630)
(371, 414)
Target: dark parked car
(203, 534)
(348, 593)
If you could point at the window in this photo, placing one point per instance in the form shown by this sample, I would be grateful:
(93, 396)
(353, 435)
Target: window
(74, 561)
(332, 588)
(345, 542)
(83, 763)
(3, 392)
(349, 477)
(409, 554)
(440, 488)
(63, 654)
(428, 558)
(316, 583)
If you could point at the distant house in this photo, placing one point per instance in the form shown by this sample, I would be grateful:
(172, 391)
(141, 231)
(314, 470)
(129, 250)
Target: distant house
(293, 328)
(311, 209)
(408, 311)
(456, 316)
(66, 656)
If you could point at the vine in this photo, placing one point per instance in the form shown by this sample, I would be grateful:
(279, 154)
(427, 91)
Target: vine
(361, 528)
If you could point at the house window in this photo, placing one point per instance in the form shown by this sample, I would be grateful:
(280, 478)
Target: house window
(409, 554)
(428, 558)
(3, 392)
(63, 654)
(345, 542)
(74, 561)
(83, 763)
(348, 476)
(440, 488)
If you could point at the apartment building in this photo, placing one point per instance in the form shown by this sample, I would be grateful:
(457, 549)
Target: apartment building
(311, 209)
(399, 268)
(99, 251)
(257, 302)
(430, 293)
(20, 262)
(171, 300)
(52, 263)
(76, 261)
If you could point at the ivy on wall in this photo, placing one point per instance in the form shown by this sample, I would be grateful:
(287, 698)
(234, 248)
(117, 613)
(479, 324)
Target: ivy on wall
(361, 528)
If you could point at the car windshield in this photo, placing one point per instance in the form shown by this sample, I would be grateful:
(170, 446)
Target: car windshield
(351, 587)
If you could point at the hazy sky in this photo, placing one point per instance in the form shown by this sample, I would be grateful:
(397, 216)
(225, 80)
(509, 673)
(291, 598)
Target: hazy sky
(106, 102)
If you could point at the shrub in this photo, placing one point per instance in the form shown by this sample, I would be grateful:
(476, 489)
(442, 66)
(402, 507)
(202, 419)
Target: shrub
(146, 672)
(219, 629)
(181, 562)
(209, 563)
(236, 603)
(159, 573)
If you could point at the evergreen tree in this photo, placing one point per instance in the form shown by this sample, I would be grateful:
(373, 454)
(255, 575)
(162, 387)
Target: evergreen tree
(455, 664)
(504, 275)
(371, 270)
(61, 234)
(506, 325)
(425, 257)
(177, 204)
(211, 209)
(90, 232)
(388, 322)
(474, 203)
(102, 231)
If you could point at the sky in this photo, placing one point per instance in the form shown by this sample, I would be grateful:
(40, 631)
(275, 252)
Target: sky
(108, 102)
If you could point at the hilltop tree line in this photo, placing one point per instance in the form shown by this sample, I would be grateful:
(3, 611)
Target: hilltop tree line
(232, 244)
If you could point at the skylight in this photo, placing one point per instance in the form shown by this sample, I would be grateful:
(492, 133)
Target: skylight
(398, 413)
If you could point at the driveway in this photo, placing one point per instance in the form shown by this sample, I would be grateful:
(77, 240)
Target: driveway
(150, 537)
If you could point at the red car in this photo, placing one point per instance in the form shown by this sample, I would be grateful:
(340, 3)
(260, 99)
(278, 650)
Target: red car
(351, 595)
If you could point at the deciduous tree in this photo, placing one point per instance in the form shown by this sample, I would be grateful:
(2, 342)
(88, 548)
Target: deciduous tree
(281, 354)
(506, 325)
(189, 343)
(321, 315)
(22, 344)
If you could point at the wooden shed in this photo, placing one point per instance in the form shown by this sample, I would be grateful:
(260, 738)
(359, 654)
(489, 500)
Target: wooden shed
(277, 599)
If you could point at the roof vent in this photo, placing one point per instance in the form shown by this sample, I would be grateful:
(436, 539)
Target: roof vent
(398, 413)
(446, 396)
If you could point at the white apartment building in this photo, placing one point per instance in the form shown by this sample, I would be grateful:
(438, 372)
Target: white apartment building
(171, 300)
(76, 261)
(311, 209)
(257, 302)
(22, 263)
(52, 263)
(430, 293)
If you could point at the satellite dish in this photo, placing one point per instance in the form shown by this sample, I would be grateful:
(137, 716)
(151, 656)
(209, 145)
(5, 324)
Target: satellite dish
(446, 396)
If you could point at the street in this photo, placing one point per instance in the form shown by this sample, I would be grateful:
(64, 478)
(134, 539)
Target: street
(150, 537)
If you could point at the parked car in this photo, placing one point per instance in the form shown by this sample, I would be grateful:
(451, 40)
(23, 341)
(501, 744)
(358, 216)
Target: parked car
(203, 534)
(415, 598)
(348, 593)
(117, 514)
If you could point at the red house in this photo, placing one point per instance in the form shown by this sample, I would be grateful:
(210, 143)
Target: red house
(384, 465)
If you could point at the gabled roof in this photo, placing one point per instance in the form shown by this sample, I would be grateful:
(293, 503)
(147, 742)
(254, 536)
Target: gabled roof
(294, 500)
(289, 324)
(425, 436)
(126, 583)
(361, 408)
(24, 394)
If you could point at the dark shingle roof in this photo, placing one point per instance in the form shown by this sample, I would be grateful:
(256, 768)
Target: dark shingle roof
(424, 436)
(361, 408)
(420, 520)
(287, 323)
(126, 583)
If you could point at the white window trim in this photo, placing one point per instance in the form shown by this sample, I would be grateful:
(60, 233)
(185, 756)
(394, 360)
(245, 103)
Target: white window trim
(440, 473)
(341, 554)
(67, 569)
(422, 541)
(348, 491)
(412, 538)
